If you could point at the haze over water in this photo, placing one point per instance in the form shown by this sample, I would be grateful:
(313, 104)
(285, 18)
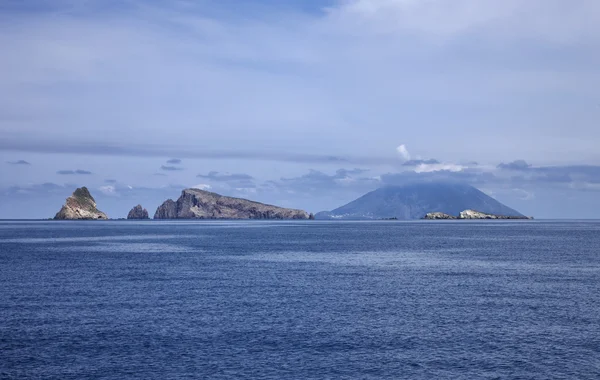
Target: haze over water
(300, 300)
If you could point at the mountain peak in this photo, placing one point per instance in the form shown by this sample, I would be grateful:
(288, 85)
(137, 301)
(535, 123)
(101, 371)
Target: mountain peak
(415, 200)
(80, 205)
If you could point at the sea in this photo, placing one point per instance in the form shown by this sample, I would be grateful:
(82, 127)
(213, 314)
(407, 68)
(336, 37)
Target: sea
(300, 300)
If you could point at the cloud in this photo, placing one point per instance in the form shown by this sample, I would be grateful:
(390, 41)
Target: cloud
(515, 175)
(432, 165)
(170, 168)
(35, 189)
(111, 181)
(216, 176)
(473, 177)
(515, 165)
(575, 176)
(202, 186)
(236, 180)
(554, 21)
(74, 172)
(174, 161)
(342, 180)
(426, 168)
(149, 150)
(19, 162)
(420, 162)
(109, 190)
(403, 152)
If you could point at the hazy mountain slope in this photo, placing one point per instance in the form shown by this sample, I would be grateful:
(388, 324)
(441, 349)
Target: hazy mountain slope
(415, 200)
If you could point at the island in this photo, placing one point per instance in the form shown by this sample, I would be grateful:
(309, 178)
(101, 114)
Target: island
(138, 213)
(413, 200)
(201, 204)
(471, 214)
(80, 206)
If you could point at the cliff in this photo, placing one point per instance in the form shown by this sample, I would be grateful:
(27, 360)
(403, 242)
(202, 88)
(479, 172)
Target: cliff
(200, 204)
(80, 206)
(138, 213)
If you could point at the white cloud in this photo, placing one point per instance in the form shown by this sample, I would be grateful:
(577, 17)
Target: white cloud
(109, 190)
(428, 168)
(403, 152)
(202, 186)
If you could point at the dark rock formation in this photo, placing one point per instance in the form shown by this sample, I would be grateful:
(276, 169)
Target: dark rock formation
(80, 206)
(138, 213)
(168, 210)
(414, 200)
(200, 204)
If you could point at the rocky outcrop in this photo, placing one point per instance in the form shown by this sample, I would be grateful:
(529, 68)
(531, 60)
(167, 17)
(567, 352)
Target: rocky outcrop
(471, 214)
(438, 216)
(138, 213)
(80, 206)
(168, 210)
(201, 204)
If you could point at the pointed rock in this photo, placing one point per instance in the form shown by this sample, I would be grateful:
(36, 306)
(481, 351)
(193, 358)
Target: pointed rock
(80, 206)
(138, 212)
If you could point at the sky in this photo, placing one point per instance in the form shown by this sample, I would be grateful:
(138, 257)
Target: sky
(304, 104)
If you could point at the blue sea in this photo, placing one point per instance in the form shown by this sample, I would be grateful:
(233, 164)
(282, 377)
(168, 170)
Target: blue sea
(300, 300)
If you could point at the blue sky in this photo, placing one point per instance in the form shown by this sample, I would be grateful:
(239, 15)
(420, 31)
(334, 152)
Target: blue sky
(302, 104)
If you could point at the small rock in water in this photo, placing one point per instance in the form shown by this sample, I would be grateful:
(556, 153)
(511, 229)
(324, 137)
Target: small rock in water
(138, 212)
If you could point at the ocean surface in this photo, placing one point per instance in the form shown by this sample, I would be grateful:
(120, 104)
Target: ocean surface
(300, 300)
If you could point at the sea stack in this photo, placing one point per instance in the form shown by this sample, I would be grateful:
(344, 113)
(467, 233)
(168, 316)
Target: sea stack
(201, 204)
(80, 206)
(138, 212)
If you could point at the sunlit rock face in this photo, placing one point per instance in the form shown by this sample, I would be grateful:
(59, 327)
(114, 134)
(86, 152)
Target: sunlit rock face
(201, 204)
(80, 206)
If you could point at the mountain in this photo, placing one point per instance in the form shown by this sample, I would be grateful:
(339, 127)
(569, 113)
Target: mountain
(80, 206)
(414, 201)
(201, 204)
(138, 213)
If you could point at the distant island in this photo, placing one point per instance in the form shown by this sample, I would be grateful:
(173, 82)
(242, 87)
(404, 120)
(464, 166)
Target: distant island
(80, 206)
(412, 201)
(433, 201)
(192, 204)
(470, 214)
(201, 204)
